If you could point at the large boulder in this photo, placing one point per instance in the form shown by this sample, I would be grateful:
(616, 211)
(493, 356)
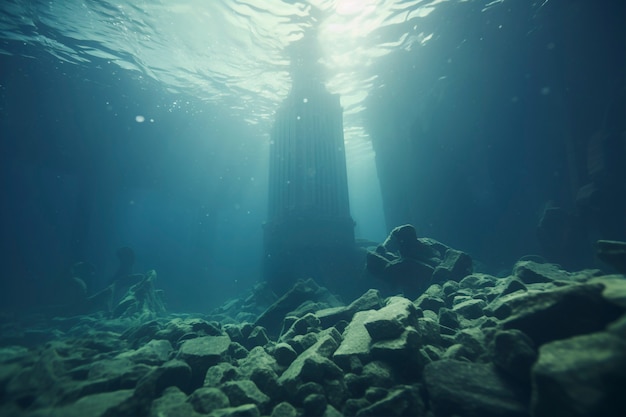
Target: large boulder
(514, 354)
(583, 376)
(612, 253)
(390, 321)
(471, 390)
(531, 272)
(412, 263)
(559, 313)
(201, 353)
(356, 341)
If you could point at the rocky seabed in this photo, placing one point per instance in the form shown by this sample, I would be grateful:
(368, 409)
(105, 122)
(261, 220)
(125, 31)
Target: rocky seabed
(541, 342)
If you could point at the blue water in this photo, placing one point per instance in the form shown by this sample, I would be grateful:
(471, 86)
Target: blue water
(160, 112)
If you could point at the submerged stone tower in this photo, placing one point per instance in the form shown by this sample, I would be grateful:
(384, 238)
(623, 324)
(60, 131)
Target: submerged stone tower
(309, 231)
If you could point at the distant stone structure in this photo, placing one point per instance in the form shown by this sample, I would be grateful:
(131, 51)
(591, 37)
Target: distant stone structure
(309, 231)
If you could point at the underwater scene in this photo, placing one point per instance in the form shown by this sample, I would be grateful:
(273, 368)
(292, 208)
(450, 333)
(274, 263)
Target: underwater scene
(290, 208)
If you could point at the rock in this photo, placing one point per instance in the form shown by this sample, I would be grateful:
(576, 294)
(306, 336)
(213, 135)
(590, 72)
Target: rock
(330, 316)
(314, 405)
(261, 368)
(301, 326)
(312, 365)
(206, 399)
(449, 288)
(257, 359)
(300, 343)
(614, 289)
(113, 374)
(403, 239)
(401, 401)
(477, 281)
(245, 392)
(284, 409)
(618, 327)
(155, 352)
(236, 351)
(174, 373)
(258, 337)
(580, 376)
(404, 260)
(461, 296)
(428, 331)
(306, 389)
(178, 328)
(378, 374)
(429, 302)
(530, 272)
(7, 372)
(390, 321)
(513, 285)
(370, 300)
(458, 352)
(377, 262)
(402, 352)
(96, 405)
(49, 377)
(434, 290)
(472, 340)
(455, 266)
(355, 386)
(234, 332)
(332, 412)
(336, 392)
(356, 340)
(612, 253)
(246, 410)
(430, 353)
(373, 394)
(559, 313)
(470, 309)
(448, 320)
(471, 390)
(173, 403)
(267, 380)
(310, 306)
(408, 274)
(218, 374)
(201, 353)
(140, 335)
(430, 315)
(514, 354)
(284, 354)
(15, 354)
(302, 291)
(353, 405)
(359, 371)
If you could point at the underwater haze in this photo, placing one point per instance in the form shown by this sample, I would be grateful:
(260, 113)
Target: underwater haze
(147, 124)
(227, 208)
